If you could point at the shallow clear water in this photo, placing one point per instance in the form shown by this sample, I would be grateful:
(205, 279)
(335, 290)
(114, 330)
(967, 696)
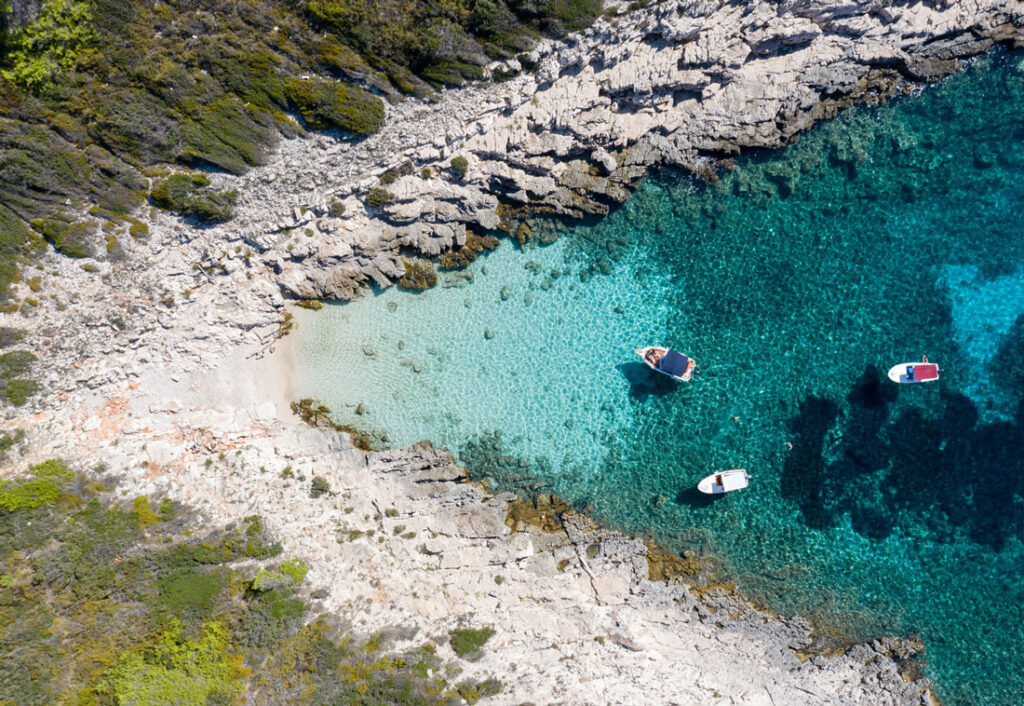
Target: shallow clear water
(796, 281)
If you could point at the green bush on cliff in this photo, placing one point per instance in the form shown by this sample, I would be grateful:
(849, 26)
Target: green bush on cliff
(188, 195)
(377, 197)
(18, 390)
(467, 643)
(326, 104)
(43, 487)
(8, 441)
(319, 487)
(296, 570)
(97, 92)
(68, 235)
(54, 42)
(460, 165)
(5, 9)
(14, 388)
(176, 669)
(570, 15)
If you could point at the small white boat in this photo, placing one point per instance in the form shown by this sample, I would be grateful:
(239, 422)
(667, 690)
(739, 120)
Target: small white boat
(668, 362)
(724, 482)
(909, 373)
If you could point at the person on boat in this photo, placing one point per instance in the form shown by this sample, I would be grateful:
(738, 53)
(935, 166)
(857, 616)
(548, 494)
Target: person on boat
(653, 357)
(924, 359)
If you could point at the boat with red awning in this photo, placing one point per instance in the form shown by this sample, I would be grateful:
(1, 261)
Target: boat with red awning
(906, 373)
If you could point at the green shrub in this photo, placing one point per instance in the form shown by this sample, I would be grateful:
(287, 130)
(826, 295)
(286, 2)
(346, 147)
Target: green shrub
(7, 441)
(377, 197)
(144, 512)
(460, 165)
(10, 335)
(55, 41)
(451, 72)
(188, 195)
(138, 230)
(68, 236)
(296, 570)
(319, 487)
(189, 590)
(468, 643)
(570, 15)
(473, 691)
(167, 510)
(326, 104)
(311, 304)
(224, 134)
(270, 581)
(178, 670)
(13, 388)
(18, 390)
(158, 624)
(337, 208)
(15, 363)
(44, 487)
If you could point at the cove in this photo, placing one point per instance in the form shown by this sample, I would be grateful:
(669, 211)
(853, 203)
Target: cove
(795, 281)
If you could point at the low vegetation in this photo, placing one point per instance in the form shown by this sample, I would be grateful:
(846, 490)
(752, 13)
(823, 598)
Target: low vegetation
(377, 197)
(317, 415)
(460, 165)
(330, 104)
(190, 195)
(96, 94)
(419, 275)
(468, 643)
(319, 486)
(15, 387)
(105, 605)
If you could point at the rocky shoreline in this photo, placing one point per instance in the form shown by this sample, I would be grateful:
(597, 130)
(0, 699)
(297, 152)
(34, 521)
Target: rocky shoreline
(158, 365)
(684, 84)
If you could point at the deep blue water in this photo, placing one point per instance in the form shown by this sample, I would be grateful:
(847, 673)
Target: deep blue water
(796, 280)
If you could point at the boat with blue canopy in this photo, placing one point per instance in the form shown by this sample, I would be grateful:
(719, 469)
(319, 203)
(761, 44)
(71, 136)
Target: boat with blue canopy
(668, 362)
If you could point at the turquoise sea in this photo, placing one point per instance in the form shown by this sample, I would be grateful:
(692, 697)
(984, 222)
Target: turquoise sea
(795, 281)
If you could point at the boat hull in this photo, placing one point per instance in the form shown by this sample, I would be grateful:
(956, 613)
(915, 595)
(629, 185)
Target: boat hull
(913, 373)
(685, 377)
(724, 482)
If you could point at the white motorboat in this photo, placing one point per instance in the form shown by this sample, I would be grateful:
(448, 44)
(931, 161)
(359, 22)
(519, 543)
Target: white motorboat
(668, 362)
(724, 482)
(910, 373)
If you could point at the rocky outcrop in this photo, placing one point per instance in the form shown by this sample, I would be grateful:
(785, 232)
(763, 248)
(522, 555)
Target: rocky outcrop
(682, 83)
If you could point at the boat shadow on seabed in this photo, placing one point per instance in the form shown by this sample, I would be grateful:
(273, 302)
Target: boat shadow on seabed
(934, 462)
(644, 382)
(691, 497)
